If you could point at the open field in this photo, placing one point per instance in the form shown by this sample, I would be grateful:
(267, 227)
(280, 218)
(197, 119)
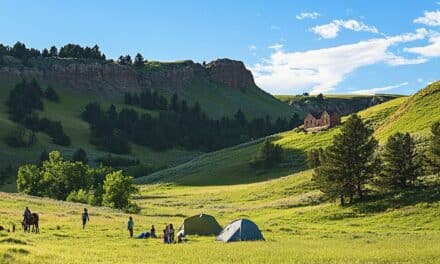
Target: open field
(298, 226)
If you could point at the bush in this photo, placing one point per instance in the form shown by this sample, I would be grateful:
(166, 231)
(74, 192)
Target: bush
(21, 138)
(81, 196)
(118, 190)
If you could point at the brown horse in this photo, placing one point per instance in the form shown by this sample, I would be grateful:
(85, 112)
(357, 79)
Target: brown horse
(32, 222)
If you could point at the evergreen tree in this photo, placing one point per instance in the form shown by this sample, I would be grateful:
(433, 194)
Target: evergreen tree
(45, 53)
(174, 105)
(80, 155)
(400, 166)
(434, 150)
(139, 61)
(315, 158)
(268, 155)
(44, 155)
(349, 162)
(53, 52)
(51, 94)
(125, 60)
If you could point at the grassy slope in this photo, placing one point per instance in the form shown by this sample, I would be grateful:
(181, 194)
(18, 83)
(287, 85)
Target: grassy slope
(416, 114)
(220, 101)
(230, 166)
(297, 225)
(67, 111)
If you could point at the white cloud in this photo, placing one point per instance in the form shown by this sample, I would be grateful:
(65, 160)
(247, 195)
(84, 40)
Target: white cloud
(419, 80)
(332, 29)
(430, 50)
(252, 47)
(430, 18)
(379, 89)
(276, 46)
(322, 70)
(309, 15)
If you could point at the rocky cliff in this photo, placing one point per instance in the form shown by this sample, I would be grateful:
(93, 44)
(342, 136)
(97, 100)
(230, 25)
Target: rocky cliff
(109, 77)
(342, 105)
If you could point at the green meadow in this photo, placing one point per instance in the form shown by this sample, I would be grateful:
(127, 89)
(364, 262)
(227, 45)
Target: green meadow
(299, 227)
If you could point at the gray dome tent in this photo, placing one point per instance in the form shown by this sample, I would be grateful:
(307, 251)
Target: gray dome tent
(240, 230)
(202, 225)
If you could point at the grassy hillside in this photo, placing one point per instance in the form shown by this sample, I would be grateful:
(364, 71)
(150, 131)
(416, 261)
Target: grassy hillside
(230, 166)
(416, 114)
(297, 225)
(68, 112)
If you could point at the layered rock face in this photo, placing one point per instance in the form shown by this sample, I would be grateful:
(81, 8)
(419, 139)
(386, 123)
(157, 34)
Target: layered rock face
(106, 77)
(230, 73)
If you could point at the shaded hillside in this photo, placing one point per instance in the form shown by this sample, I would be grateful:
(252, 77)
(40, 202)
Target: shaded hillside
(231, 165)
(344, 104)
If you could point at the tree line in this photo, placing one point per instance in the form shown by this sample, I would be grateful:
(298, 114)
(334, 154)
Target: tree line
(22, 103)
(180, 125)
(74, 181)
(20, 51)
(354, 161)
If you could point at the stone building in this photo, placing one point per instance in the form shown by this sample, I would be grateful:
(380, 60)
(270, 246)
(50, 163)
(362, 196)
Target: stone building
(322, 120)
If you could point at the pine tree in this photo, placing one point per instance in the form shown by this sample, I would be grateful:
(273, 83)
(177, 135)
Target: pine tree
(315, 158)
(81, 156)
(434, 150)
(139, 61)
(53, 52)
(400, 166)
(349, 162)
(174, 105)
(51, 94)
(268, 155)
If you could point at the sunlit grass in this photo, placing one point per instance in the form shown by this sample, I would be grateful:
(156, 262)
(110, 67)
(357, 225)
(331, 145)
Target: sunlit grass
(298, 225)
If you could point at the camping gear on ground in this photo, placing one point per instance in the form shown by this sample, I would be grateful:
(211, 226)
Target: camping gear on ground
(144, 235)
(240, 230)
(202, 225)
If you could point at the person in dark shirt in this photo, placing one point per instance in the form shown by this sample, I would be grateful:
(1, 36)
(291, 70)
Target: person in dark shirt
(153, 232)
(85, 217)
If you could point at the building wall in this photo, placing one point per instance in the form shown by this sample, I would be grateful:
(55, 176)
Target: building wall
(326, 120)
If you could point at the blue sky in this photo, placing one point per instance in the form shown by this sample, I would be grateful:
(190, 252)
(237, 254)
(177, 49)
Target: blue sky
(290, 46)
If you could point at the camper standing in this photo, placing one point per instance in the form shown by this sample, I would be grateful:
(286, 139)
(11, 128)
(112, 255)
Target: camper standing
(85, 217)
(130, 225)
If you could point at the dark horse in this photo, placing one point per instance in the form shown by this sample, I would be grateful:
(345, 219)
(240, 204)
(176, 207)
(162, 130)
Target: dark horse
(33, 222)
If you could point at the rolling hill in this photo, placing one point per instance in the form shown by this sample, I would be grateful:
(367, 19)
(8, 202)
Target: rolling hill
(414, 114)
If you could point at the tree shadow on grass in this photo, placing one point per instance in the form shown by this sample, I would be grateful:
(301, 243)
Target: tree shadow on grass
(381, 202)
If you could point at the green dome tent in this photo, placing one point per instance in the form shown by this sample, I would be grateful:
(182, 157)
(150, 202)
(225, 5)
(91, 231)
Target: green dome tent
(240, 230)
(202, 225)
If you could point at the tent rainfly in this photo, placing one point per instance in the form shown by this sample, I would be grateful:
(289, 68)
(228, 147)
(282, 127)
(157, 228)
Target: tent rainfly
(202, 225)
(240, 230)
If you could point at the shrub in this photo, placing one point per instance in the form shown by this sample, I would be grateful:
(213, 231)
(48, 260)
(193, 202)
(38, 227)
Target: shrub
(21, 138)
(118, 190)
(81, 196)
